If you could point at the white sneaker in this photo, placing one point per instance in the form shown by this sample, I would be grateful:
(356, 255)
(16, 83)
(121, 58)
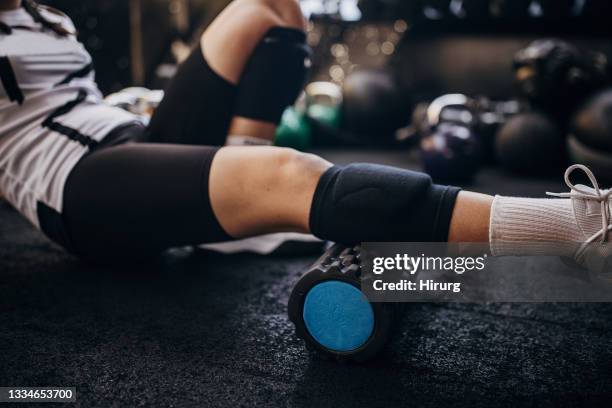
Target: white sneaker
(592, 209)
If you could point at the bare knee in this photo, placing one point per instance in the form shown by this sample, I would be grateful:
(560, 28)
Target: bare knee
(296, 168)
(289, 11)
(273, 167)
(242, 21)
(250, 19)
(257, 190)
(292, 182)
(230, 40)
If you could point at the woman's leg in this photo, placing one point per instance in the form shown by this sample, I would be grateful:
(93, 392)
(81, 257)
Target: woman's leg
(248, 68)
(276, 189)
(363, 202)
(136, 200)
(228, 51)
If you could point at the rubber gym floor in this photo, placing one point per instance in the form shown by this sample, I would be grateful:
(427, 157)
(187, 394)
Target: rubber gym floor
(195, 328)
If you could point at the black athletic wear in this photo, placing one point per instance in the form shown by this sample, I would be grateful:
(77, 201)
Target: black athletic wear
(137, 199)
(197, 108)
(144, 190)
(274, 75)
(367, 202)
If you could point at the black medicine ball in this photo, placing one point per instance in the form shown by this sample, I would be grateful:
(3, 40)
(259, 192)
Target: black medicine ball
(590, 140)
(592, 123)
(531, 143)
(373, 107)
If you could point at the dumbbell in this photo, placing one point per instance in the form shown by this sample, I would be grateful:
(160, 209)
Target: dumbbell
(332, 315)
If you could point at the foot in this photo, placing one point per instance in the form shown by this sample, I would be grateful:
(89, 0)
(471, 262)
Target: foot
(593, 216)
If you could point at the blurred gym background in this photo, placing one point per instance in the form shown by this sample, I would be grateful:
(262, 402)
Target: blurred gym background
(390, 59)
(445, 86)
(434, 46)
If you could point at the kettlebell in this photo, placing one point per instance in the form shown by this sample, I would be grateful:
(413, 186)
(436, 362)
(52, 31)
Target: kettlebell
(450, 151)
(316, 112)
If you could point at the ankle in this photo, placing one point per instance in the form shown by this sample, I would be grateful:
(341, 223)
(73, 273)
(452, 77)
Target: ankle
(528, 226)
(470, 219)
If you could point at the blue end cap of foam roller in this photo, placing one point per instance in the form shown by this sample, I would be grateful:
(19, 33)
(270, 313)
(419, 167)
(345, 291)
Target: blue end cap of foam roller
(338, 316)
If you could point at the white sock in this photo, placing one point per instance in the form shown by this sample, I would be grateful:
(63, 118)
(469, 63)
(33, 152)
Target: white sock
(533, 226)
(238, 140)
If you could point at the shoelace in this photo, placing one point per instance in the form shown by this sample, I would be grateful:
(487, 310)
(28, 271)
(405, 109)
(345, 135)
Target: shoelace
(600, 196)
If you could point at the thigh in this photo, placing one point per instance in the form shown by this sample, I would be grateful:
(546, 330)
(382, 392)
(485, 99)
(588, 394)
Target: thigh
(135, 200)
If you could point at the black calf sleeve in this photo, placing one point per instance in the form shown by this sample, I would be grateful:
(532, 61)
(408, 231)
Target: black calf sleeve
(274, 75)
(365, 202)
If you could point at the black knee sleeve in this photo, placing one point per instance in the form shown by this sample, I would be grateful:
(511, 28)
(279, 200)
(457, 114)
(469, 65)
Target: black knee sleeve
(365, 202)
(197, 108)
(274, 75)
